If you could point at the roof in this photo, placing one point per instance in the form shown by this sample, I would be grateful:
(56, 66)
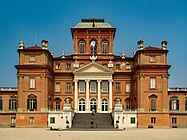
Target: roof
(93, 23)
(151, 48)
(33, 48)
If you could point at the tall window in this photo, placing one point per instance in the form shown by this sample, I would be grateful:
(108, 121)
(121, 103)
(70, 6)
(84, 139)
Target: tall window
(32, 82)
(104, 104)
(186, 104)
(174, 103)
(117, 87)
(152, 104)
(128, 87)
(32, 102)
(152, 83)
(128, 104)
(81, 86)
(68, 66)
(104, 86)
(92, 86)
(68, 87)
(81, 104)
(57, 87)
(105, 47)
(13, 103)
(57, 105)
(81, 46)
(1, 103)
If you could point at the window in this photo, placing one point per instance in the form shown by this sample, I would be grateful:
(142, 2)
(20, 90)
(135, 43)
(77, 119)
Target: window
(92, 86)
(117, 87)
(68, 87)
(152, 83)
(32, 102)
(128, 66)
(104, 104)
(128, 87)
(1, 103)
(81, 104)
(152, 104)
(58, 66)
(81, 46)
(174, 103)
(117, 66)
(105, 47)
(173, 120)
(32, 59)
(13, 103)
(152, 59)
(153, 119)
(31, 120)
(186, 104)
(13, 120)
(57, 87)
(128, 104)
(68, 66)
(52, 119)
(57, 105)
(104, 86)
(32, 82)
(133, 120)
(81, 86)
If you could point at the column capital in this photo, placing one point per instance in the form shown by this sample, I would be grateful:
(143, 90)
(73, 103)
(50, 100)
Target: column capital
(87, 80)
(110, 80)
(99, 80)
(75, 80)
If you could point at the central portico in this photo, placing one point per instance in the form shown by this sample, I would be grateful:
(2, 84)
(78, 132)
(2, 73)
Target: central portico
(93, 88)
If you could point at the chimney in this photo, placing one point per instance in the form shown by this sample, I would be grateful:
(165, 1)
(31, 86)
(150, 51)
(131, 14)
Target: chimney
(164, 45)
(140, 45)
(21, 45)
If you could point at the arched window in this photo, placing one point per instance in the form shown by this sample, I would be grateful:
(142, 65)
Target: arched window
(32, 102)
(82, 45)
(1, 103)
(93, 105)
(104, 47)
(13, 103)
(104, 105)
(174, 103)
(82, 104)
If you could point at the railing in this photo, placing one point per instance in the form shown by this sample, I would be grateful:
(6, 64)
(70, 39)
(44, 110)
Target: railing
(177, 89)
(8, 89)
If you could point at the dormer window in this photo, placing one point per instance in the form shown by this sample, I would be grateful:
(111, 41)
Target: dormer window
(32, 58)
(152, 59)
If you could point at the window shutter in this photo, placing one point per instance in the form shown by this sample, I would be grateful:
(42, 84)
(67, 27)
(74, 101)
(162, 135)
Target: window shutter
(35, 104)
(170, 105)
(9, 104)
(177, 104)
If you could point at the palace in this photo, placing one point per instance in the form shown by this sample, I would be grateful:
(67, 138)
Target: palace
(53, 91)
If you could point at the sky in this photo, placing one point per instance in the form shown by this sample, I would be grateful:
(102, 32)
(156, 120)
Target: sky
(149, 20)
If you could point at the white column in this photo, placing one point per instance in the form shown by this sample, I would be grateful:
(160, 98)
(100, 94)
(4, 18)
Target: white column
(76, 96)
(110, 95)
(99, 96)
(87, 96)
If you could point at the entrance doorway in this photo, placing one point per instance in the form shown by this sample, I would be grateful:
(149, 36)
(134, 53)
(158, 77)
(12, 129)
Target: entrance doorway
(93, 105)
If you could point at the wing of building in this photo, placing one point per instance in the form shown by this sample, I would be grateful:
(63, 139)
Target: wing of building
(53, 91)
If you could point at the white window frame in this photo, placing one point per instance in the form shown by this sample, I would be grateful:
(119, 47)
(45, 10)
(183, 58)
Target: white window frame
(128, 87)
(32, 82)
(104, 105)
(68, 87)
(104, 86)
(13, 120)
(128, 67)
(82, 105)
(58, 66)
(92, 86)
(81, 86)
(57, 87)
(152, 59)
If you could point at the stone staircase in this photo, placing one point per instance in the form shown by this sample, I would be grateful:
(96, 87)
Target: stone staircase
(89, 121)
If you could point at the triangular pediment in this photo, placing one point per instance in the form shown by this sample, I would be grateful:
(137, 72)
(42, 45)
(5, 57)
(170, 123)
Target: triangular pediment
(93, 67)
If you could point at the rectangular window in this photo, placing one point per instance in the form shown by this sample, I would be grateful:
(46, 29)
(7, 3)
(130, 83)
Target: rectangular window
(174, 120)
(32, 82)
(52, 119)
(68, 87)
(57, 106)
(152, 59)
(1, 104)
(58, 66)
(104, 86)
(32, 59)
(152, 83)
(32, 104)
(57, 87)
(133, 120)
(128, 66)
(68, 66)
(118, 66)
(81, 86)
(117, 87)
(174, 104)
(153, 119)
(92, 86)
(153, 104)
(128, 87)
(31, 120)
(128, 105)
(13, 120)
